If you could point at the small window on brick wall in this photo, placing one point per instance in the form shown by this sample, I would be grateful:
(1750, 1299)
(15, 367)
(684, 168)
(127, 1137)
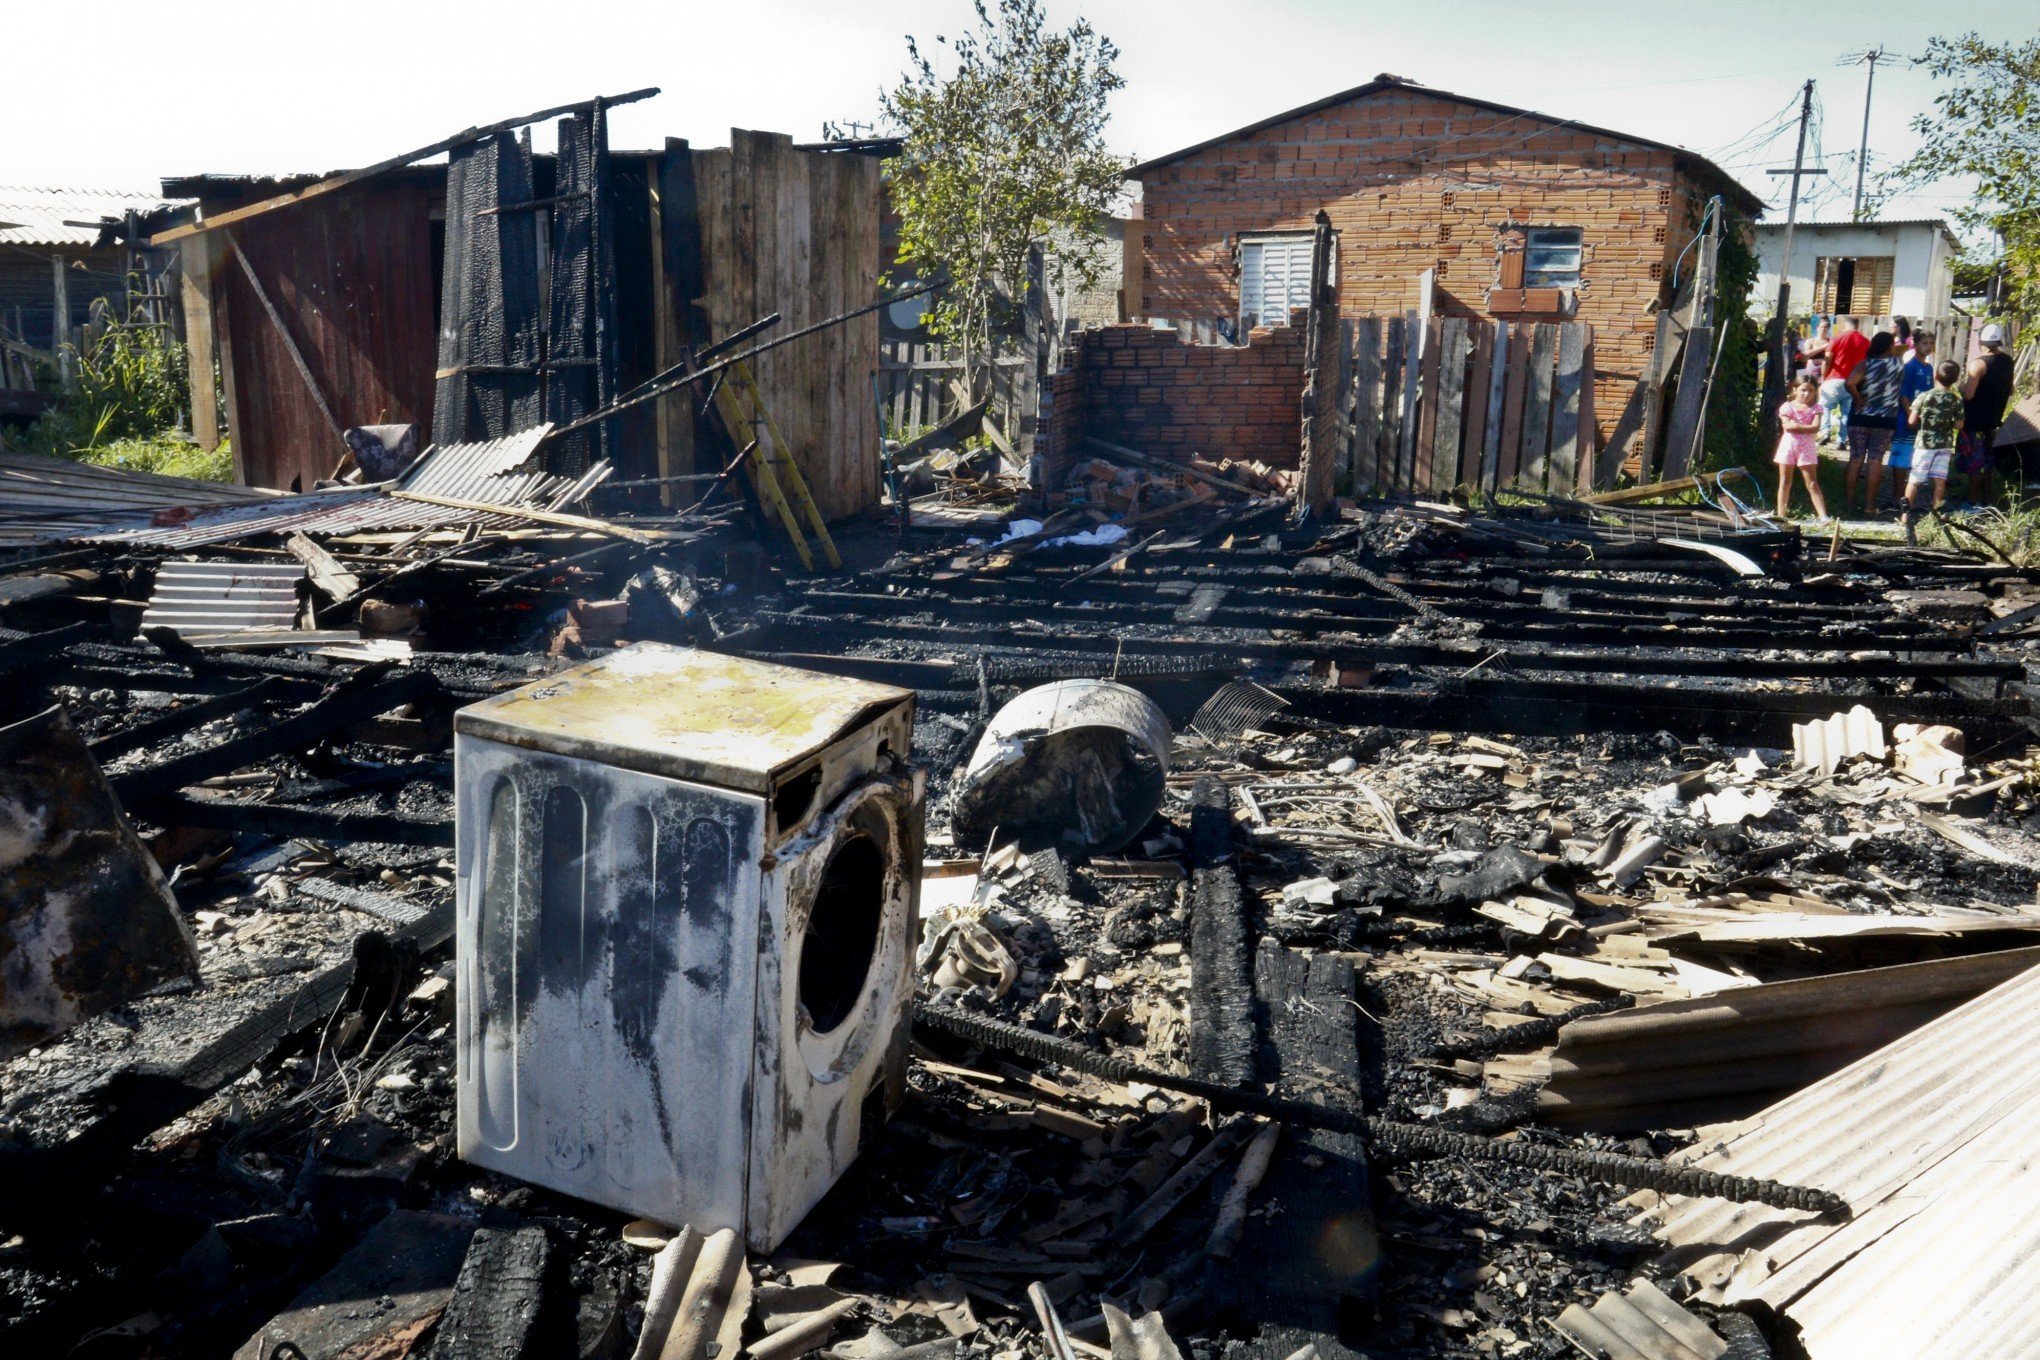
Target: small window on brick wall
(1551, 257)
(1275, 276)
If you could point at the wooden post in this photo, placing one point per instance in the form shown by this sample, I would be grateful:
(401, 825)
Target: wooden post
(1404, 476)
(1664, 354)
(1488, 479)
(1025, 388)
(1449, 424)
(1320, 377)
(1682, 443)
(1388, 437)
(1476, 401)
(195, 283)
(1364, 388)
(1589, 424)
(60, 322)
(1565, 407)
(1536, 466)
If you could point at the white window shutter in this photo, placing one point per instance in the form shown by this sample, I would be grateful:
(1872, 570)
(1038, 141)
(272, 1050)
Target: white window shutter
(1274, 277)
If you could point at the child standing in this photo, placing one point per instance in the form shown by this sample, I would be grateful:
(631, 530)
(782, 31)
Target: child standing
(1798, 422)
(1915, 378)
(1937, 416)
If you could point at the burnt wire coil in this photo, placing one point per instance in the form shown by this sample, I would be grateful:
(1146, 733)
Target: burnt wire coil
(1389, 1137)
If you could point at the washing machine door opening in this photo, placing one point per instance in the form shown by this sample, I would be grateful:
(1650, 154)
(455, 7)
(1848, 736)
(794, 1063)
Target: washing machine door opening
(842, 931)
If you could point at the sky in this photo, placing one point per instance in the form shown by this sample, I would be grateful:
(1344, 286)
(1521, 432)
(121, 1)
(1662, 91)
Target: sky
(228, 86)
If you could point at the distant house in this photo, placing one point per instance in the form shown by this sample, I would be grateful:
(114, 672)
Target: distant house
(1887, 268)
(1498, 211)
(47, 234)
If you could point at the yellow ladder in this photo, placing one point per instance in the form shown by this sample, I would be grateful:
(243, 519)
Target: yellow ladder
(771, 467)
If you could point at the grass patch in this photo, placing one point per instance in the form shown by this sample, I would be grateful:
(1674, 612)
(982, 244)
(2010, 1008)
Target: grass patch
(169, 454)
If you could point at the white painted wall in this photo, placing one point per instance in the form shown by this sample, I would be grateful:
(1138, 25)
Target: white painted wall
(1922, 270)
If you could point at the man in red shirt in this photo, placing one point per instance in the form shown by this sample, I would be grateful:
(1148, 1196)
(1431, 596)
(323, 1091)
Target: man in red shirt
(1844, 352)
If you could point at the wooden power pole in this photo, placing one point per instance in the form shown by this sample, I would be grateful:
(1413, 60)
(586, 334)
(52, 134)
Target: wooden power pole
(1781, 348)
(1873, 56)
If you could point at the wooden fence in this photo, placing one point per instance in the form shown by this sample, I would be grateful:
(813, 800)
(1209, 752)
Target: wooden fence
(1497, 405)
(921, 385)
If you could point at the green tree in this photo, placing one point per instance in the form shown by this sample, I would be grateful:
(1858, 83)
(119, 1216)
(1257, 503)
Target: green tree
(1986, 125)
(1004, 151)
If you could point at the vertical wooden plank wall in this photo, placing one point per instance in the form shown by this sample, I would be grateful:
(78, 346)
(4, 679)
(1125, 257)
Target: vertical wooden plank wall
(797, 233)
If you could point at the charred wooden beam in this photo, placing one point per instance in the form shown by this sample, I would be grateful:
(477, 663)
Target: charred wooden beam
(311, 823)
(494, 1312)
(355, 700)
(1222, 1037)
(179, 721)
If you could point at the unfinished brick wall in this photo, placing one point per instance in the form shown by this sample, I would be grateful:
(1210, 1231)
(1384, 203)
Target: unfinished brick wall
(1416, 180)
(1151, 391)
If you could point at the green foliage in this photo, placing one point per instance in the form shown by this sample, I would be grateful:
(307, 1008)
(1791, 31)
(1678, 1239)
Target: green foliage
(1986, 125)
(132, 383)
(1005, 150)
(1736, 424)
(169, 454)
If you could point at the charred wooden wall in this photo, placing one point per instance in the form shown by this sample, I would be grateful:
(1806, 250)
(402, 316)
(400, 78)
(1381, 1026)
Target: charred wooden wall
(704, 243)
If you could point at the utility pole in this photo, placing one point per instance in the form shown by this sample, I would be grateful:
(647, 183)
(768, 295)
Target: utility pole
(1781, 359)
(1873, 56)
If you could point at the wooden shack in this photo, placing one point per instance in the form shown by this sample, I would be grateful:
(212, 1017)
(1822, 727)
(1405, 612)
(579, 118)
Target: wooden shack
(329, 313)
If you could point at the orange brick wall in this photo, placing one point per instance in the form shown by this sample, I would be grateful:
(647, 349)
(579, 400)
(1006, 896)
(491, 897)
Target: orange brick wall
(1147, 389)
(1415, 181)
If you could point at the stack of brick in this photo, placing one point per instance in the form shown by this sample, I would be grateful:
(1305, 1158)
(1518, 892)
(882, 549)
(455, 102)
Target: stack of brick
(1149, 390)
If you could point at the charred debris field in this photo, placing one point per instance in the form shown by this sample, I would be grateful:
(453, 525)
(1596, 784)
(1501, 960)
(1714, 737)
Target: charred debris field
(1499, 867)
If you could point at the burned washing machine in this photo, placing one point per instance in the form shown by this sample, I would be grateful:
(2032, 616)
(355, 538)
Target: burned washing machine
(687, 893)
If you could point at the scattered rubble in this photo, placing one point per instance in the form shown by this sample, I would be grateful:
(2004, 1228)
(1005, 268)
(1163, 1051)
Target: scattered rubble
(1487, 828)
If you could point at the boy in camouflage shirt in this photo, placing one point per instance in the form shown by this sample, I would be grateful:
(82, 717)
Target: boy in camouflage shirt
(1937, 416)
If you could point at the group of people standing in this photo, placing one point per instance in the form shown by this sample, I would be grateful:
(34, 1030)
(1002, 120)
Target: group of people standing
(1885, 400)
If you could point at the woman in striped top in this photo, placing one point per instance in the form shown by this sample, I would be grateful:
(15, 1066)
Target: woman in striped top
(1873, 418)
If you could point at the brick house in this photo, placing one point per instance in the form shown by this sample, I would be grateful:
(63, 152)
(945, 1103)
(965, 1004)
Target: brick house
(1513, 214)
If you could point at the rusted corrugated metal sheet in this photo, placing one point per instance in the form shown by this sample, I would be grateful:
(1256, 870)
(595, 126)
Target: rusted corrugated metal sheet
(352, 276)
(1930, 1140)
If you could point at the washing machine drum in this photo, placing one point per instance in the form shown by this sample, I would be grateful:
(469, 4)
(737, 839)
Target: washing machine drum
(833, 1000)
(849, 902)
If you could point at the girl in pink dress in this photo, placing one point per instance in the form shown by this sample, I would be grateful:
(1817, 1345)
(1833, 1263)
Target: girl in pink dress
(1798, 423)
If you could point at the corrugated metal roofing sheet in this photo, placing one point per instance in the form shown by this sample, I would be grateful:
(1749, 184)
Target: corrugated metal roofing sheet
(480, 472)
(1931, 1140)
(46, 499)
(34, 215)
(223, 597)
(1643, 1324)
